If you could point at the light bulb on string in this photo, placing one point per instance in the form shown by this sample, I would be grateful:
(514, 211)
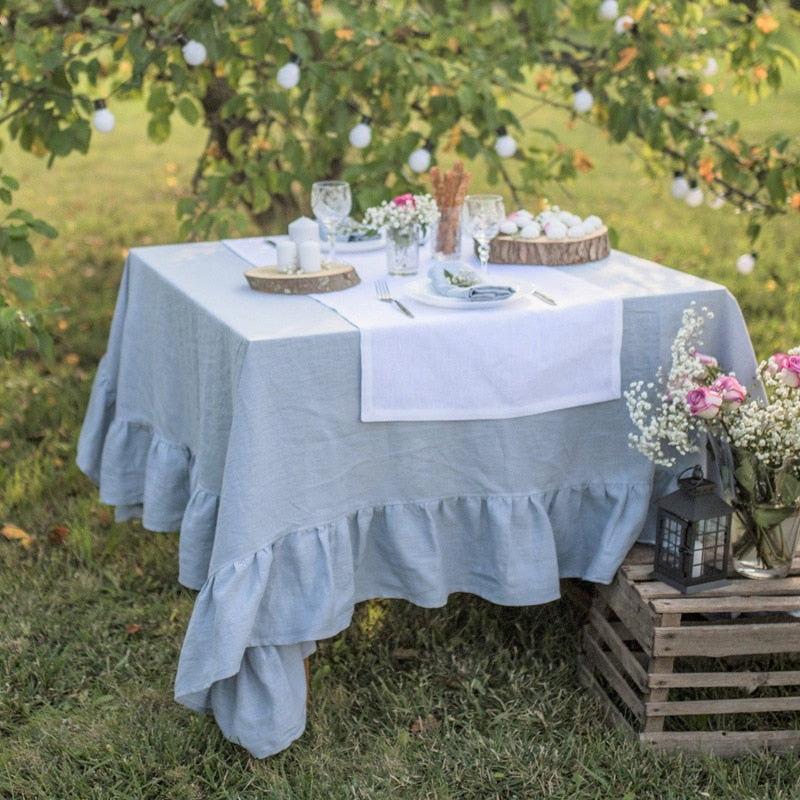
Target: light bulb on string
(289, 74)
(505, 146)
(694, 197)
(680, 186)
(194, 52)
(420, 159)
(582, 100)
(361, 134)
(220, 3)
(716, 201)
(710, 68)
(103, 120)
(746, 263)
(608, 9)
(625, 24)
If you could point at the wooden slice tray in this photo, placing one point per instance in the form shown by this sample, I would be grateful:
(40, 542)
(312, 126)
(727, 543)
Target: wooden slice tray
(333, 279)
(550, 252)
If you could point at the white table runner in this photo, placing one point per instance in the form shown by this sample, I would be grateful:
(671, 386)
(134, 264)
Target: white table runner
(518, 358)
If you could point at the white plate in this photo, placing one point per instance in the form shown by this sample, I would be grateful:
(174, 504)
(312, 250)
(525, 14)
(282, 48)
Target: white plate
(357, 247)
(424, 292)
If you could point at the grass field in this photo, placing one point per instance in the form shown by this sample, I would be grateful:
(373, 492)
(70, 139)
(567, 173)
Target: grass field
(467, 701)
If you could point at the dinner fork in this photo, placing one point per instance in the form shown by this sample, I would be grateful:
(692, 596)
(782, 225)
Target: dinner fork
(382, 289)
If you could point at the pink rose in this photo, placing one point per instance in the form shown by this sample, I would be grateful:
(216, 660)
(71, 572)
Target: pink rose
(731, 391)
(703, 402)
(787, 369)
(706, 361)
(405, 200)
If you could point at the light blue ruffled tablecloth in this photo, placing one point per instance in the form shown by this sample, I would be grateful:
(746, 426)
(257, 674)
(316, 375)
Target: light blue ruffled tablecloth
(233, 416)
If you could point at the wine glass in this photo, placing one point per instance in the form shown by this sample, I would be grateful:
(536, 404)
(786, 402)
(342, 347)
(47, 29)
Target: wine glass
(483, 214)
(331, 202)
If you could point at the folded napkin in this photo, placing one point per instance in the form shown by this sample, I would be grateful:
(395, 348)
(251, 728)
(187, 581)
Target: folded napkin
(477, 292)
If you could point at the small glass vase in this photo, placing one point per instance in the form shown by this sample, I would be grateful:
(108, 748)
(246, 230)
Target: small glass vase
(764, 540)
(402, 251)
(446, 238)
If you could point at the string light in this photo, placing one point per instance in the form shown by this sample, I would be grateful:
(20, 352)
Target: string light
(746, 263)
(505, 146)
(420, 159)
(289, 74)
(608, 9)
(625, 24)
(220, 3)
(694, 197)
(103, 120)
(680, 186)
(194, 52)
(361, 135)
(710, 68)
(582, 99)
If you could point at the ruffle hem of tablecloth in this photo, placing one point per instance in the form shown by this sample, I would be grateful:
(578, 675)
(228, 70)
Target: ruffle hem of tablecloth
(252, 626)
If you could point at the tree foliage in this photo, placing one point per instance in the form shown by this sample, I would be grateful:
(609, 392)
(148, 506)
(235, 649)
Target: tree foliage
(442, 74)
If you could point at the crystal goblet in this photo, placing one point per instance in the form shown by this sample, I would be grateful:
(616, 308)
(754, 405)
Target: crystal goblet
(331, 202)
(483, 214)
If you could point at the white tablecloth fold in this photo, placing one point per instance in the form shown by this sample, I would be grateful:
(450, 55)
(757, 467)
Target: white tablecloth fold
(518, 358)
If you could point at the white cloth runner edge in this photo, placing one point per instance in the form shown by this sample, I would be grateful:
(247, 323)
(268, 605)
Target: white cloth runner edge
(450, 364)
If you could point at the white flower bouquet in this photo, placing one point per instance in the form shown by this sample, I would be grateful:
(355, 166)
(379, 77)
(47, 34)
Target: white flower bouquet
(404, 213)
(755, 443)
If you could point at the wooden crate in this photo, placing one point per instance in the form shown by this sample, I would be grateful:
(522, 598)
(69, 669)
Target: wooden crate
(715, 672)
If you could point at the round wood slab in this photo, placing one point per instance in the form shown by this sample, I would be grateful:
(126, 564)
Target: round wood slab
(333, 279)
(550, 252)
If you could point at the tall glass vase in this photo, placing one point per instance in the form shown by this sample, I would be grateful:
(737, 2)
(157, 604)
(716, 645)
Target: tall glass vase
(402, 251)
(764, 540)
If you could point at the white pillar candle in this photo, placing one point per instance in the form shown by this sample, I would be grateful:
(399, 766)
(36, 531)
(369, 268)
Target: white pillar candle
(287, 255)
(309, 254)
(304, 229)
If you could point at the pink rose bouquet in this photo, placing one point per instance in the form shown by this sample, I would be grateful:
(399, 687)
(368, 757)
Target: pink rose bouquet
(754, 438)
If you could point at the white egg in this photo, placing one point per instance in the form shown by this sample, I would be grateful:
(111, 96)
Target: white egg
(568, 218)
(530, 230)
(522, 215)
(554, 229)
(593, 222)
(508, 227)
(576, 231)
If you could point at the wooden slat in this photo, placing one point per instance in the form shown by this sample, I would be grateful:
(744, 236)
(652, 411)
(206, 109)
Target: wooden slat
(616, 717)
(722, 605)
(727, 640)
(620, 650)
(601, 662)
(621, 596)
(707, 680)
(724, 743)
(730, 705)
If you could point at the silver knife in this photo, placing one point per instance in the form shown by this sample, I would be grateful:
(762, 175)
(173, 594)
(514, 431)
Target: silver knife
(402, 308)
(543, 297)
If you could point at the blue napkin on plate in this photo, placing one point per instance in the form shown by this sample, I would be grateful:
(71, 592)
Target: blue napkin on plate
(477, 292)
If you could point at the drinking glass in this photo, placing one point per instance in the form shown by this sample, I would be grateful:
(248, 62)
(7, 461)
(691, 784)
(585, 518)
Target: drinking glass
(483, 214)
(331, 202)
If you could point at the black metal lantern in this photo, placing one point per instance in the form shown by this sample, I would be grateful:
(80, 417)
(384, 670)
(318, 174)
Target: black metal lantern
(693, 534)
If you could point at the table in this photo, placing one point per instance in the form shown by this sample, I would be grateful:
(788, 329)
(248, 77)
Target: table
(233, 416)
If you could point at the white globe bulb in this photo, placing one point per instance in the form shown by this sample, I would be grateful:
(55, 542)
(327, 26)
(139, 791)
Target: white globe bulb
(288, 75)
(194, 52)
(505, 146)
(716, 201)
(694, 197)
(420, 160)
(221, 3)
(746, 263)
(624, 24)
(103, 120)
(360, 135)
(680, 186)
(582, 101)
(711, 67)
(609, 9)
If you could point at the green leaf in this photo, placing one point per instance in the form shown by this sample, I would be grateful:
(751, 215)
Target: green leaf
(188, 110)
(23, 288)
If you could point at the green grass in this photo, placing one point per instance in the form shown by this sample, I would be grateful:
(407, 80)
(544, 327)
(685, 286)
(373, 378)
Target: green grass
(468, 701)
